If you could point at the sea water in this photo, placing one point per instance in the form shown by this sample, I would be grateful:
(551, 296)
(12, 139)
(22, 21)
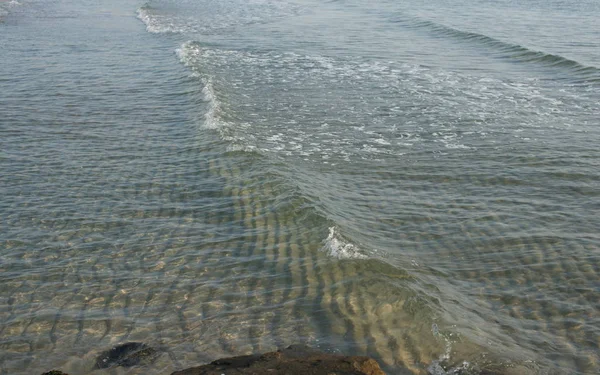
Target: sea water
(417, 182)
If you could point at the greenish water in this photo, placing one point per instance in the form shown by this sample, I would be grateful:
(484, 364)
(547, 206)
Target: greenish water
(417, 183)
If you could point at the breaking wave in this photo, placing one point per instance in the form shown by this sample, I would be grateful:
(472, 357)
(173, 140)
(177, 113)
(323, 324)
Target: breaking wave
(6, 6)
(336, 246)
(504, 50)
(210, 17)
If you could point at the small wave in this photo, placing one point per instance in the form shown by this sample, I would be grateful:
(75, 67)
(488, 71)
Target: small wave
(191, 54)
(156, 23)
(188, 54)
(506, 50)
(231, 78)
(206, 63)
(335, 246)
(143, 14)
(210, 97)
(5, 7)
(219, 16)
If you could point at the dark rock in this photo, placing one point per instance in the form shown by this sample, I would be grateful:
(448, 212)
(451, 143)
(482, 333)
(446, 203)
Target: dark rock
(55, 372)
(127, 355)
(299, 360)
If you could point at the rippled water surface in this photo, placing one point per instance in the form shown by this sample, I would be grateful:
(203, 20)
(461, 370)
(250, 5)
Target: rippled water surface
(415, 182)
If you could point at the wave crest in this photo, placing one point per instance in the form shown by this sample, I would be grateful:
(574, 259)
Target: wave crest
(6, 6)
(160, 24)
(193, 18)
(507, 50)
(336, 246)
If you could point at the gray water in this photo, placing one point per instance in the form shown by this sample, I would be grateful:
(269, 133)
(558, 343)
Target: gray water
(419, 183)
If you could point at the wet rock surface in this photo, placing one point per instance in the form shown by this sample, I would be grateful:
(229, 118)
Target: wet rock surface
(127, 355)
(292, 360)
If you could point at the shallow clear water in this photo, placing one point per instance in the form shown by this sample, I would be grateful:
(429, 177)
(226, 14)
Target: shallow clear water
(414, 182)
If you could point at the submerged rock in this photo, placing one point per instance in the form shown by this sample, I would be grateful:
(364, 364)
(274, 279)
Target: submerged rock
(55, 372)
(127, 355)
(292, 360)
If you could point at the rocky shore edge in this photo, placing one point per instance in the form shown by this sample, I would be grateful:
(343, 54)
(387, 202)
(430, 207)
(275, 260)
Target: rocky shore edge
(293, 360)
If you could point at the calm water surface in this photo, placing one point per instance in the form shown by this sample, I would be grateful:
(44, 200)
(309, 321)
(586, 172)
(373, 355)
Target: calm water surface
(415, 182)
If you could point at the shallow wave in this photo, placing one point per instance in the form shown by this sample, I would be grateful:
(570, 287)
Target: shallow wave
(153, 25)
(162, 23)
(580, 73)
(215, 117)
(6, 6)
(209, 16)
(336, 246)
(188, 56)
(365, 110)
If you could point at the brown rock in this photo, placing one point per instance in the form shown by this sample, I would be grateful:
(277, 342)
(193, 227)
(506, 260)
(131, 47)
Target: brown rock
(293, 360)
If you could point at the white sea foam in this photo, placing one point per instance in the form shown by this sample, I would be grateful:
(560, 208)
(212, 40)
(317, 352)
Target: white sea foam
(188, 54)
(212, 121)
(5, 7)
(162, 23)
(237, 135)
(399, 109)
(337, 247)
(192, 17)
(144, 15)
